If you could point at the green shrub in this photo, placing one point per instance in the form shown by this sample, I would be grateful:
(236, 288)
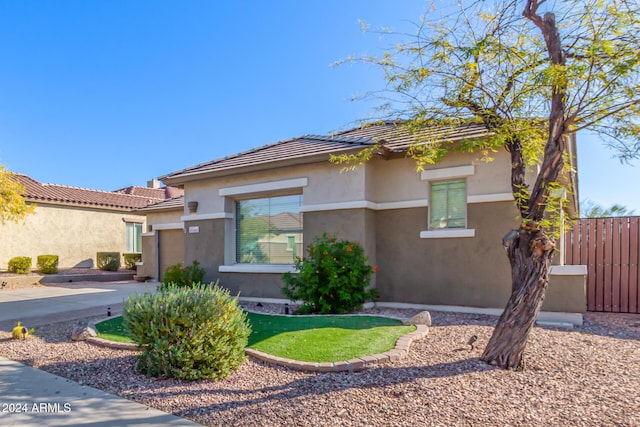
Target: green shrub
(183, 276)
(333, 278)
(47, 264)
(108, 261)
(131, 259)
(187, 333)
(20, 265)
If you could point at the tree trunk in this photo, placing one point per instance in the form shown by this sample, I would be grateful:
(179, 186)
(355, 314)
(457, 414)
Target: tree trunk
(530, 255)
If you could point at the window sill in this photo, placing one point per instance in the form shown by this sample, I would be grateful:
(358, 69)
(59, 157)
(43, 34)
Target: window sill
(448, 233)
(257, 268)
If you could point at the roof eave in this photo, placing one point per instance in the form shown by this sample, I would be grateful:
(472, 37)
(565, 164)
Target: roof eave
(256, 167)
(103, 207)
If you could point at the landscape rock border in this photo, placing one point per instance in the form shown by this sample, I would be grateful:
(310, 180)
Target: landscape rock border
(399, 352)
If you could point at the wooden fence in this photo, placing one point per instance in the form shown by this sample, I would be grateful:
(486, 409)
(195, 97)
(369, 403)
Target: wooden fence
(609, 247)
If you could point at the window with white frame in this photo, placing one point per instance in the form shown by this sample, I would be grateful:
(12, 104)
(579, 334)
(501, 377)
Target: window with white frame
(268, 230)
(448, 204)
(133, 237)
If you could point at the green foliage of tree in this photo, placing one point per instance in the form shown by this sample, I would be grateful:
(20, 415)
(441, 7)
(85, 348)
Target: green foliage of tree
(590, 209)
(12, 205)
(533, 73)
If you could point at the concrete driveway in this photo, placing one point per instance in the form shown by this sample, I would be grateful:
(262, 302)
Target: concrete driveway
(33, 398)
(56, 303)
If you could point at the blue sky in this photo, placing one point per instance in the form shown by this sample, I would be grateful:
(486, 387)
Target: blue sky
(106, 94)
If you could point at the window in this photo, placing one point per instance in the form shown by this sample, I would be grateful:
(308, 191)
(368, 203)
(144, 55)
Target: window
(448, 204)
(268, 230)
(133, 237)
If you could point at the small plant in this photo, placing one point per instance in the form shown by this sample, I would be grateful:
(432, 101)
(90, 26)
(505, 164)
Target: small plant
(333, 278)
(19, 332)
(131, 259)
(20, 265)
(182, 276)
(47, 264)
(108, 261)
(187, 333)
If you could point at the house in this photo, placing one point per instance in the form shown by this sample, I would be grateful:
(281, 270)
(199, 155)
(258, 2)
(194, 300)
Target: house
(76, 223)
(163, 242)
(434, 234)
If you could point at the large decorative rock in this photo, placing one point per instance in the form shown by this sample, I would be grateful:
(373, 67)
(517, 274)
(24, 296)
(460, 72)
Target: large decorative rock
(82, 331)
(422, 318)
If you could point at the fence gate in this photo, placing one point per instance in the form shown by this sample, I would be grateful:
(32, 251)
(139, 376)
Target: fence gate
(609, 249)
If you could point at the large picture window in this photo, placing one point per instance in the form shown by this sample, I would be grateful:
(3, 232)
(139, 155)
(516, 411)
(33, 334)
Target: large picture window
(268, 230)
(133, 237)
(448, 204)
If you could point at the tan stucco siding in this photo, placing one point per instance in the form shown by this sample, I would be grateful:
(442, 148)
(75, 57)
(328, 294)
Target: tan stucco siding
(380, 181)
(206, 246)
(398, 180)
(74, 234)
(325, 184)
(171, 249)
(166, 217)
(148, 267)
(452, 271)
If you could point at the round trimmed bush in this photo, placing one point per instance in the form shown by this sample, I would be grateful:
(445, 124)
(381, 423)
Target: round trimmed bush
(19, 265)
(187, 333)
(108, 261)
(47, 264)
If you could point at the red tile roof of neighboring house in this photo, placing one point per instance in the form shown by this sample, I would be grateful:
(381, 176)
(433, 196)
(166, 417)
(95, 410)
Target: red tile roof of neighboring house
(391, 135)
(61, 194)
(152, 193)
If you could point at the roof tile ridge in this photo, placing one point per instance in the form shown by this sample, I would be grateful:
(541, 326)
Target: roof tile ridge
(232, 156)
(336, 138)
(97, 191)
(368, 124)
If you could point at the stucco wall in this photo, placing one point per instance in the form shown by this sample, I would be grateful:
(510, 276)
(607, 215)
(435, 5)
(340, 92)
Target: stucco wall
(171, 249)
(205, 246)
(472, 271)
(397, 179)
(148, 267)
(384, 206)
(165, 217)
(74, 234)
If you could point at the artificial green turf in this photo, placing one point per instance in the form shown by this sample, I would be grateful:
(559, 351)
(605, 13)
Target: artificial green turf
(113, 330)
(324, 338)
(306, 338)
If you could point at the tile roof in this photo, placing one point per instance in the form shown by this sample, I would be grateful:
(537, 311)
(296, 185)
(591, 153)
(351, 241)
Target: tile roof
(152, 193)
(391, 135)
(174, 203)
(74, 196)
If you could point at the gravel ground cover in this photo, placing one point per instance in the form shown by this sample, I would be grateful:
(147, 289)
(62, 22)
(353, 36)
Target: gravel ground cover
(588, 376)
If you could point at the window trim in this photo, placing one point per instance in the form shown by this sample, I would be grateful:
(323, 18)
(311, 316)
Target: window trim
(137, 237)
(263, 187)
(448, 174)
(231, 255)
(431, 183)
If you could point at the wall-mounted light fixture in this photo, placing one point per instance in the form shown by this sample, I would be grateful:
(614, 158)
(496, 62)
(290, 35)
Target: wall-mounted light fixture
(193, 207)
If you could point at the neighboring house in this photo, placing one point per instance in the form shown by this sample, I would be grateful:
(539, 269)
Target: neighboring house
(434, 235)
(76, 223)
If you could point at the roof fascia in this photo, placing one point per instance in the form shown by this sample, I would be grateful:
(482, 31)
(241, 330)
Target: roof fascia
(235, 170)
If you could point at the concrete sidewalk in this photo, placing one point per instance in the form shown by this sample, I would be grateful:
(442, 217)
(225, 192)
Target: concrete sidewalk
(30, 397)
(33, 398)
